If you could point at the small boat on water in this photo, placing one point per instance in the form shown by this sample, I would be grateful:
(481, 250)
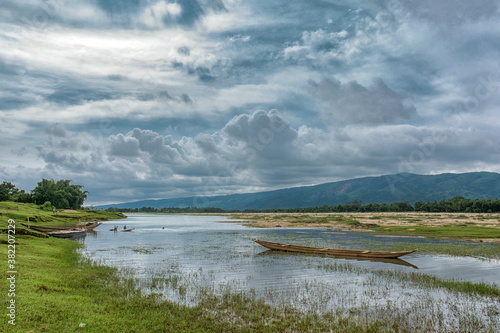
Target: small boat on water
(75, 233)
(128, 229)
(333, 252)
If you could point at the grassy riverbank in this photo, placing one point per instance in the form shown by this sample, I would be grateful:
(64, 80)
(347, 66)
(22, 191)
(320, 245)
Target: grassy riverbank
(21, 212)
(56, 290)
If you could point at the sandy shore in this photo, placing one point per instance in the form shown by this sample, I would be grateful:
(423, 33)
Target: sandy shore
(364, 220)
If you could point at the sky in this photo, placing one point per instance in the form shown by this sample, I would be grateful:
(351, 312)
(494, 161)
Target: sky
(153, 99)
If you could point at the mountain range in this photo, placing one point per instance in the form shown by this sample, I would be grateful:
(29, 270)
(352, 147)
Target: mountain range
(390, 188)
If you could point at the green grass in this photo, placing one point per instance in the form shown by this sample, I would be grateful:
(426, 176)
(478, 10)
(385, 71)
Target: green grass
(58, 291)
(486, 251)
(20, 212)
(421, 280)
(458, 231)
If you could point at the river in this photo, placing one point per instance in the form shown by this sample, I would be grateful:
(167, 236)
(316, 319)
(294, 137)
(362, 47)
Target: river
(177, 255)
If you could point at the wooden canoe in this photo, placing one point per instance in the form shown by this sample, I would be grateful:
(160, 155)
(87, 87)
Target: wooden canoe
(76, 233)
(333, 252)
(90, 225)
(42, 228)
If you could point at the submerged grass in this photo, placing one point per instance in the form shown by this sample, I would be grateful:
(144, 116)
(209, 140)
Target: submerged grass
(420, 280)
(452, 285)
(58, 291)
(480, 251)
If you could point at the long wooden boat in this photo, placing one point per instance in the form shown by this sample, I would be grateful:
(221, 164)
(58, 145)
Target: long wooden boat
(395, 261)
(127, 229)
(75, 233)
(42, 228)
(90, 225)
(334, 252)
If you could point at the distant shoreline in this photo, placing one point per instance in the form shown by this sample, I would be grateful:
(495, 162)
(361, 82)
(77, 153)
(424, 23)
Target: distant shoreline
(477, 227)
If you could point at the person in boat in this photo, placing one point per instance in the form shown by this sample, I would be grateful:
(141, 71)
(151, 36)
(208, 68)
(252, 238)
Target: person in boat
(124, 227)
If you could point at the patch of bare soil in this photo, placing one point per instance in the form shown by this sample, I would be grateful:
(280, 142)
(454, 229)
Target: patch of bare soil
(341, 220)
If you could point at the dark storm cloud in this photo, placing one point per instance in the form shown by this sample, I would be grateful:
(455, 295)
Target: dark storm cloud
(120, 6)
(124, 146)
(452, 12)
(352, 103)
(55, 130)
(161, 97)
(261, 147)
(75, 95)
(262, 133)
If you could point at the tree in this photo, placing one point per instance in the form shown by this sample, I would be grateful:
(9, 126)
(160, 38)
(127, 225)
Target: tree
(8, 191)
(62, 194)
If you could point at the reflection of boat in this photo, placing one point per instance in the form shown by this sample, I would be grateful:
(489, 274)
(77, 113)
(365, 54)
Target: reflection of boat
(128, 229)
(75, 233)
(334, 252)
(395, 261)
(40, 228)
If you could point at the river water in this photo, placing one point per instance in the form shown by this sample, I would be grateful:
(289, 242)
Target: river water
(176, 255)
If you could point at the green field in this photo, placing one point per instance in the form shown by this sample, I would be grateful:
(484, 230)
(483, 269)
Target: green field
(21, 212)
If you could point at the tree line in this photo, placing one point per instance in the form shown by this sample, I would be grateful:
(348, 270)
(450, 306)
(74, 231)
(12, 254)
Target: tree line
(49, 193)
(454, 205)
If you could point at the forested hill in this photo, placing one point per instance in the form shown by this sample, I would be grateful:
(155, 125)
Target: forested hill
(383, 189)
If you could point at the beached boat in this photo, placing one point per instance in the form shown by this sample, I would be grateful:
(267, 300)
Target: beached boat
(40, 228)
(333, 252)
(90, 225)
(75, 233)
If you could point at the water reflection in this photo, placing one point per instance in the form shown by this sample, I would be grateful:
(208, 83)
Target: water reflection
(180, 257)
(387, 261)
(201, 241)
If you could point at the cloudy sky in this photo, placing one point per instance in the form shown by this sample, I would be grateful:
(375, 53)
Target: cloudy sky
(139, 99)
